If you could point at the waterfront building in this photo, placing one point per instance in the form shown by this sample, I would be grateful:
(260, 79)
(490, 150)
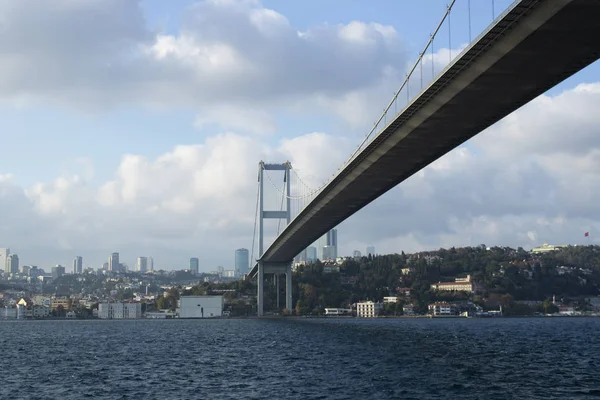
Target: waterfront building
(119, 310)
(78, 265)
(337, 312)
(442, 308)
(200, 306)
(390, 299)
(368, 309)
(408, 309)
(194, 265)
(242, 261)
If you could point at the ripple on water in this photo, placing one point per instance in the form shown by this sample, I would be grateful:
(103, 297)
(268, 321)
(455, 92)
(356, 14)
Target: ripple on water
(301, 359)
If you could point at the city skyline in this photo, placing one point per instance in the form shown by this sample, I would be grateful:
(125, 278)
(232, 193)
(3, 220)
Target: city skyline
(140, 169)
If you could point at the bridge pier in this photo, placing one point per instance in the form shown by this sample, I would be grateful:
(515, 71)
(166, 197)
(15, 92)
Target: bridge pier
(276, 269)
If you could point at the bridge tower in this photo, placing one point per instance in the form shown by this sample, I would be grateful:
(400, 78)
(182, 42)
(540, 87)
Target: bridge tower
(266, 267)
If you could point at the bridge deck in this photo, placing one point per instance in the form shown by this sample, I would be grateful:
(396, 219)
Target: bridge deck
(533, 47)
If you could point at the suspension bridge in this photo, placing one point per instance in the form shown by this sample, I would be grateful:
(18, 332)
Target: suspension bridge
(526, 50)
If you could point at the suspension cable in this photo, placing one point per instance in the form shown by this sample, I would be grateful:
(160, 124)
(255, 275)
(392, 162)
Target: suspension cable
(404, 83)
(469, 6)
(449, 37)
(255, 221)
(281, 206)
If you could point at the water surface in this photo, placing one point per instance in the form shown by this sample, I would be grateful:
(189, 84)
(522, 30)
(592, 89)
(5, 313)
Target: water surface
(544, 358)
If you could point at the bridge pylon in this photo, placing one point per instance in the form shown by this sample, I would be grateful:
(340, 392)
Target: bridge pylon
(273, 268)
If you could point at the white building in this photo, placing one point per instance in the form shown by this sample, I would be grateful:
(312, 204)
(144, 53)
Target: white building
(200, 306)
(119, 310)
(390, 299)
(337, 312)
(443, 308)
(368, 309)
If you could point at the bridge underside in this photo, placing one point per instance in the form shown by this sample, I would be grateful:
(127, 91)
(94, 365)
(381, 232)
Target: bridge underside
(533, 47)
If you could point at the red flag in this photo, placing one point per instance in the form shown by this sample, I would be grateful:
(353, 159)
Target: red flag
(587, 234)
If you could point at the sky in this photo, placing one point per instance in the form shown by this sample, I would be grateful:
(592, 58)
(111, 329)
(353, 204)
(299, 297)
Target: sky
(137, 126)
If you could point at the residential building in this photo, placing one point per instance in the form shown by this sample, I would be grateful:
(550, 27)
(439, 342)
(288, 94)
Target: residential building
(194, 265)
(63, 302)
(242, 261)
(78, 265)
(390, 299)
(442, 308)
(408, 309)
(368, 309)
(58, 271)
(24, 269)
(119, 310)
(151, 263)
(141, 264)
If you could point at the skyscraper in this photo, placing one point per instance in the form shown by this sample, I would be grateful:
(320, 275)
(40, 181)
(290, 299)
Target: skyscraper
(78, 265)
(151, 263)
(113, 262)
(370, 250)
(142, 264)
(328, 240)
(242, 261)
(4, 252)
(194, 265)
(12, 264)
(311, 254)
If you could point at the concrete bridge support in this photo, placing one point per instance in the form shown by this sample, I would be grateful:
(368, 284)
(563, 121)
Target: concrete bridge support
(273, 268)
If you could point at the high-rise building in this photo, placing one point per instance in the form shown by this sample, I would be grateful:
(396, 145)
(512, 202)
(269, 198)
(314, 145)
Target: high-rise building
(370, 251)
(328, 240)
(151, 263)
(329, 253)
(242, 261)
(12, 264)
(58, 271)
(311, 254)
(142, 264)
(78, 265)
(4, 252)
(113, 262)
(194, 265)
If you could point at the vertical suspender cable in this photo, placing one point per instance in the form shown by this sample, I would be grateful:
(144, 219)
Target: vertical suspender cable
(493, 11)
(449, 38)
(469, 6)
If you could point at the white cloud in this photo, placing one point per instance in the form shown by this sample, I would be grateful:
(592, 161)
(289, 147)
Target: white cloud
(97, 55)
(530, 178)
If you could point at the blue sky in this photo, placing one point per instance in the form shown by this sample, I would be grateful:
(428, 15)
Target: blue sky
(123, 119)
